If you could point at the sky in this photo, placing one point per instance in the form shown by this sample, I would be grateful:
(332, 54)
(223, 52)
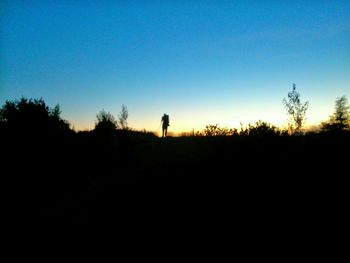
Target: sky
(201, 62)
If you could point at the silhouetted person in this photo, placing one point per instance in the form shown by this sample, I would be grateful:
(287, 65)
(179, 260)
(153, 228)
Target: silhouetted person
(165, 124)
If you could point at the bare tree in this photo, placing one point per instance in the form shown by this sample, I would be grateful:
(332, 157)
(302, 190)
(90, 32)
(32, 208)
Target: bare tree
(296, 111)
(123, 116)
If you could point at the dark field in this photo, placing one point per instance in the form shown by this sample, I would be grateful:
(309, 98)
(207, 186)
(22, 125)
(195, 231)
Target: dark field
(81, 178)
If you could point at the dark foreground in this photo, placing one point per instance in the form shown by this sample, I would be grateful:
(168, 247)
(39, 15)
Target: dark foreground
(140, 179)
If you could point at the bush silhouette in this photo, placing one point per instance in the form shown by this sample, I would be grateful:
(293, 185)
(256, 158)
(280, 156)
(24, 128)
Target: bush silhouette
(105, 122)
(261, 129)
(216, 130)
(105, 128)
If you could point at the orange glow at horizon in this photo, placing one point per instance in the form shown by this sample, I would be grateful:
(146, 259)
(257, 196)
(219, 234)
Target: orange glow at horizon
(185, 122)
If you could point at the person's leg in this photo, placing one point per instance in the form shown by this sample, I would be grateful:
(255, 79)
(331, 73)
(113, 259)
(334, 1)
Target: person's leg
(166, 131)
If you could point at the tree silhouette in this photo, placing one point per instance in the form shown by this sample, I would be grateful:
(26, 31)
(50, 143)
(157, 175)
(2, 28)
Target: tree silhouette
(31, 116)
(296, 110)
(340, 120)
(123, 116)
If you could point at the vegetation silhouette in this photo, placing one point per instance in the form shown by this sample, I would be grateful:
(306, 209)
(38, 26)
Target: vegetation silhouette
(123, 117)
(105, 128)
(296, 110)
(340, 120)
(113, 171)
(32, 117)
(262, 129)
(216, 130)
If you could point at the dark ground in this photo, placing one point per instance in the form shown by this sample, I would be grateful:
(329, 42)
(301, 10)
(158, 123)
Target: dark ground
(142, 180)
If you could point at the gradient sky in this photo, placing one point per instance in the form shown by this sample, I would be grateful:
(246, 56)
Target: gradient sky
(202, 62)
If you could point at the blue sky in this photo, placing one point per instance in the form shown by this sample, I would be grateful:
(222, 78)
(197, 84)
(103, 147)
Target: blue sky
(202, 62)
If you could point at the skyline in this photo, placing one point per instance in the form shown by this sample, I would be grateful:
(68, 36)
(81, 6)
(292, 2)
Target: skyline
(202, 63)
